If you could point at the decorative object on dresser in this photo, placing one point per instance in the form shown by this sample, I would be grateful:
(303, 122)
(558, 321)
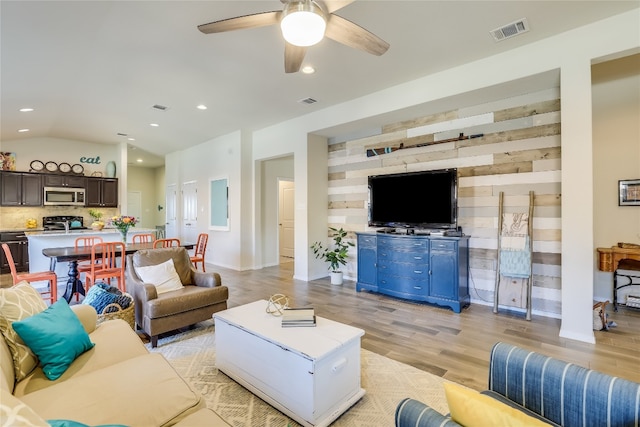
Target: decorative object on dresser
(414, 267)
(336, 255)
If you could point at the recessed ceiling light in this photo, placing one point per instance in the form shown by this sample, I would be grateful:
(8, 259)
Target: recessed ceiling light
(201, 107)
(139, 160)
(23, 130)
(155, 125)
(26, 110)
(308, 69)
(131, 139)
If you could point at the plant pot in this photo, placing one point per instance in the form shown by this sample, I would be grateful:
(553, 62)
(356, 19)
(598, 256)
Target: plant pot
(336, 277)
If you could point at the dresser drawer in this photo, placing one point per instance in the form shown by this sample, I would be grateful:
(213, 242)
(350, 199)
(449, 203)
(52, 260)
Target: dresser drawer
(398, 269)
(403, 286)
(398, 256)
(443, 245)
(402, 243)
(366, 241)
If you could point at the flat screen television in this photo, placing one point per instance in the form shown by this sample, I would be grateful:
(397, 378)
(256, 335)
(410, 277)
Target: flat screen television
(423, 200)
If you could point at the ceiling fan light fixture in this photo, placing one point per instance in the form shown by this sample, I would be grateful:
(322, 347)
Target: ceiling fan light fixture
(303, 23)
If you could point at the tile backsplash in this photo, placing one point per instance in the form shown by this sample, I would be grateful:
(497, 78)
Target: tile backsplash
(15, 218)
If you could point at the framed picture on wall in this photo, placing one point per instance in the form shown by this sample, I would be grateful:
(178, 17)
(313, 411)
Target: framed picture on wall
(629, 192)
(7, 161)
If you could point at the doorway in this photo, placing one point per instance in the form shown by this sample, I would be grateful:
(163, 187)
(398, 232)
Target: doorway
(134, 206)
(171, 211)
(286, 237)
(190, 211)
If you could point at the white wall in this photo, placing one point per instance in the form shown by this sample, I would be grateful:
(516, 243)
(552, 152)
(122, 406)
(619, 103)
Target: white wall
(218, 158)
(616, 156)
(571, 53)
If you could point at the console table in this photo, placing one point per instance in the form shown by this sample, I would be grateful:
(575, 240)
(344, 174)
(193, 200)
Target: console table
(431, 269)
(623, 262)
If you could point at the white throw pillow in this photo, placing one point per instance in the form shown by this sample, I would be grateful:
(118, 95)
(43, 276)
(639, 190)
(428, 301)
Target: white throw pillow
(163, 276)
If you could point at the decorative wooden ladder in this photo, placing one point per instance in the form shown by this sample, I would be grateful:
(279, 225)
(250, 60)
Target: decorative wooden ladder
(529, 280)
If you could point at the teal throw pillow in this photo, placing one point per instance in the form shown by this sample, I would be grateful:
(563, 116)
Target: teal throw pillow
(56, 336)
(69, 423)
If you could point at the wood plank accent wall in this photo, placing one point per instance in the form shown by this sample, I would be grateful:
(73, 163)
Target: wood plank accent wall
(518, 152)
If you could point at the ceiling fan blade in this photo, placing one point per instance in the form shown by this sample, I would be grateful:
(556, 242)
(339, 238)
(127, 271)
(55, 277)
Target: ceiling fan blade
(293, 57)
(332, 5)
(241, 22)
(350, 34)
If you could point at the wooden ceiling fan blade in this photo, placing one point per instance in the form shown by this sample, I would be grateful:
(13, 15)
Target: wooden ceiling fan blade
(346, 32)
(293, 57)
(332, 5)
(255, 20)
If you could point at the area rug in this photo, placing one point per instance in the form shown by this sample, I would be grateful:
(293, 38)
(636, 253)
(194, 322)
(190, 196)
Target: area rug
(386, 381)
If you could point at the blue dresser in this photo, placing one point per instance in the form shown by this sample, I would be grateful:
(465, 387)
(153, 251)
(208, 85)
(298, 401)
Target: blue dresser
(418, 268)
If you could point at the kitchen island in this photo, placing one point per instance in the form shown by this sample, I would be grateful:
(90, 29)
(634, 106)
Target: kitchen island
(39, 240)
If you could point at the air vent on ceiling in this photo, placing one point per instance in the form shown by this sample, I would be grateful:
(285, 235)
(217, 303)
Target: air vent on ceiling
(510, 30)
(122, 134)
(160, 107)
(307, 101)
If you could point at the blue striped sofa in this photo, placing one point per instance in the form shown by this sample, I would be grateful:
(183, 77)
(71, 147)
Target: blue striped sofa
(557, 392)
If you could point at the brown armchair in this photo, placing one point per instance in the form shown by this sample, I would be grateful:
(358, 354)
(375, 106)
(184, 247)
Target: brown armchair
(201, 296)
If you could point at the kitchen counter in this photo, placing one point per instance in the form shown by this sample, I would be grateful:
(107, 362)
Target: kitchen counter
(42, 239)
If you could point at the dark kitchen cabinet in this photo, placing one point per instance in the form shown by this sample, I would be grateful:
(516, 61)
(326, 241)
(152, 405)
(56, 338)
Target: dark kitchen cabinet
(20, 189)
(102, 192)
(73, 181)
(19, 247)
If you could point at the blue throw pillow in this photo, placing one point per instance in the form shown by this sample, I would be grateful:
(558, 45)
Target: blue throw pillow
(56, 336)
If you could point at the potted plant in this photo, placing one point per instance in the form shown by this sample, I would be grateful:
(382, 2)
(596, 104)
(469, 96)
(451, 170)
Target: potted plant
(97, 223)
(335, 255)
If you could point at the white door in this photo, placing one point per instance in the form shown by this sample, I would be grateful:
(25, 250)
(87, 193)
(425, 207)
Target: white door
(189, 212)
(171, 211)
(134, 206)
(286, 205)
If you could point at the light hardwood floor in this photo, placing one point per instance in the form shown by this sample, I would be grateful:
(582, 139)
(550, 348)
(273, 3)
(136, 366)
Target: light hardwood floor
(437, 340)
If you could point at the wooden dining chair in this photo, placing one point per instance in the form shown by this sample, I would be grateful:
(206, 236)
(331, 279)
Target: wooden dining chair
(81, 242)
(104, 264)
(50, 276)
(166, 243)
(143, 238)
(201, 248)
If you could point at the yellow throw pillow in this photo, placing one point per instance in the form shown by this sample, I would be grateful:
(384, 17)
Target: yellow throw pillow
(17, 303)
(472, 409)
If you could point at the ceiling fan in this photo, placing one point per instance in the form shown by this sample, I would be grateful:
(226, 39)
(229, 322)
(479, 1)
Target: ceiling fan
(304, 23)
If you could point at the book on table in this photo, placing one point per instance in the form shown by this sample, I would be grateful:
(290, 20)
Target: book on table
(298, 317)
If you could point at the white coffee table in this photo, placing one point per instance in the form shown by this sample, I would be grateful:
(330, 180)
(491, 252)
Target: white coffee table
(311, 374)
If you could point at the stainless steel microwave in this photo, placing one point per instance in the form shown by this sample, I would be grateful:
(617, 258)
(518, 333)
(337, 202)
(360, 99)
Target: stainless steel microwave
(63, 196)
